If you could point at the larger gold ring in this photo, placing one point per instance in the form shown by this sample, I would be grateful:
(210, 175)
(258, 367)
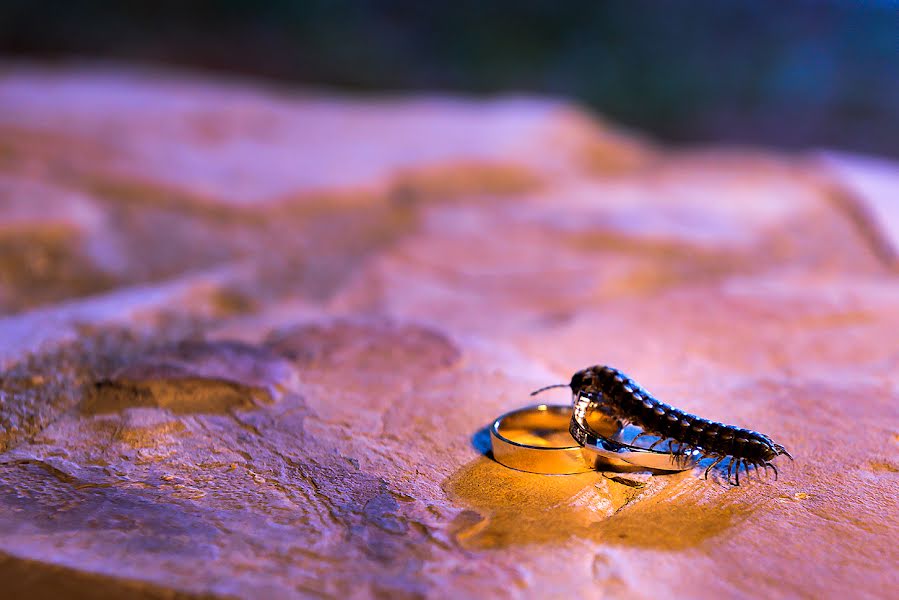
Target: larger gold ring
(536, 440)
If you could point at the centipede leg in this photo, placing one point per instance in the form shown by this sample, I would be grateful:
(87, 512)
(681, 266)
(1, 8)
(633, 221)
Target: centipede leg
(636, 437)
(755, 467)
(774, 468)
(748, 466)
(690, 455)
(674, 452)
(737, 471)
(712, 466)
(657, 442)
(684, 452)
(680, 455)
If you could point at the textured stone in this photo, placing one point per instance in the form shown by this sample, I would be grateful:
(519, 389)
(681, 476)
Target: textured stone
(277, 325)
(869, 189)
(195, 378)
(51, 244)
(160, 132)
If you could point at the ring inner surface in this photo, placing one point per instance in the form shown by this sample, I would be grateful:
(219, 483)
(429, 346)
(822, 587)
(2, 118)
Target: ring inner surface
(543, 427)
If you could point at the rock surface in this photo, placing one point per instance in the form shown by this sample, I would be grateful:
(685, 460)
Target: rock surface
(252, 338)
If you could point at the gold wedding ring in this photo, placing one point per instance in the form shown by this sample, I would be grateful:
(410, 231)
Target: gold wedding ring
(536, 439)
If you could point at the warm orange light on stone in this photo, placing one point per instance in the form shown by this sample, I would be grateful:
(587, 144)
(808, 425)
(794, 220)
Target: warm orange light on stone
(250, 339)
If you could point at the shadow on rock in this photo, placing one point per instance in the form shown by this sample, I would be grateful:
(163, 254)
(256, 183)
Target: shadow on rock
(507, 508)
(480, 441)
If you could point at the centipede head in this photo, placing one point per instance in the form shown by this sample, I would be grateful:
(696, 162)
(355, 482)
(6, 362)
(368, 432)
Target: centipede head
(778, 449)
(586, 381)
(768, 450)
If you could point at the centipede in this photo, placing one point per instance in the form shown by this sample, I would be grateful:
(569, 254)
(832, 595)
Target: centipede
(628, 403)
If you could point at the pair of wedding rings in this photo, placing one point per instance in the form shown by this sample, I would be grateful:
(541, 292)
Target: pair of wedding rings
(558, 439)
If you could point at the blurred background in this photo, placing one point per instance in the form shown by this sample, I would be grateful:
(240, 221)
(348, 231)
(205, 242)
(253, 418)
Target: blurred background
(794, 75)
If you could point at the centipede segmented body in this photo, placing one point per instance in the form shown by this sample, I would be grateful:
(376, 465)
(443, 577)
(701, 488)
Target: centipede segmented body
(627, 402)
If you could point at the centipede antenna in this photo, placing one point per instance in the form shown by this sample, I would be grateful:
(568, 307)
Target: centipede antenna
(549, 387)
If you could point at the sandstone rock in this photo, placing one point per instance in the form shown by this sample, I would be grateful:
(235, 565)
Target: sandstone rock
(870, 194)
(51, 244)
(195, 378)
(311, 307)
(240, 145)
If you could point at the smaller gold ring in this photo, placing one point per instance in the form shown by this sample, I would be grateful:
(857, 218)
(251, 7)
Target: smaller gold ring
(536, 439)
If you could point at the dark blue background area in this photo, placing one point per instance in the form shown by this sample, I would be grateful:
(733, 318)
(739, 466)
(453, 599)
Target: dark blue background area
(790, 74)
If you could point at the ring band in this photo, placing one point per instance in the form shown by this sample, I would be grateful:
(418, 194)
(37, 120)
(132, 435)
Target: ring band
(536, 440)
(601, 452)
